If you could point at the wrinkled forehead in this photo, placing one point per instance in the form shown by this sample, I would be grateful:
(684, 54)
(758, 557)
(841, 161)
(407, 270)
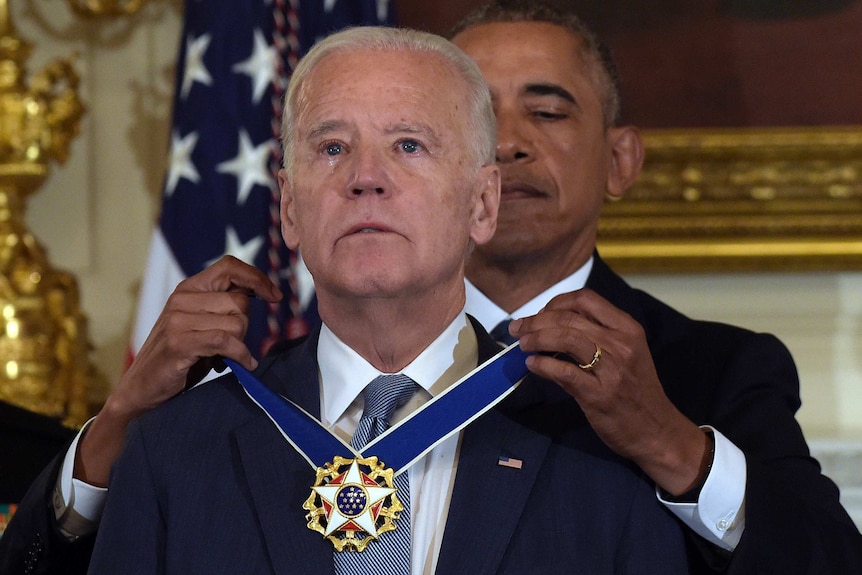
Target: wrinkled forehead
(385, 68)
(393, 86)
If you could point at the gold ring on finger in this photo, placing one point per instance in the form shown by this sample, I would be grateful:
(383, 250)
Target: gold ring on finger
(596, 357)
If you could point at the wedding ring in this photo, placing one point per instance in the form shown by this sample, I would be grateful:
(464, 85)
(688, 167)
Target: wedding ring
(596, 357)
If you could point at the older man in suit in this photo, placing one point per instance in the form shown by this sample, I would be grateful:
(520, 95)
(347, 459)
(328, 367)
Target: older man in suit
(389, 180)
(757, 503)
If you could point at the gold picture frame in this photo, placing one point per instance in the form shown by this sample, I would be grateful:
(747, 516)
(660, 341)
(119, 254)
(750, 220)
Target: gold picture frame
(741, 199)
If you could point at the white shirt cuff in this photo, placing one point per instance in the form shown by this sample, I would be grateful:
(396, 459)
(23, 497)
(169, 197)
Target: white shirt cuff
(77, 505)
(719, 513)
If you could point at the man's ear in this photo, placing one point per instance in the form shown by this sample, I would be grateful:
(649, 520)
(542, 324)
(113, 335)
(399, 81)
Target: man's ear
(288, 212)
(627, 157)
(486, 204)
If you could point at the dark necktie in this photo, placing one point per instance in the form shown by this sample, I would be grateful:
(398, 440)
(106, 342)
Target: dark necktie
(501, 332)
(390, 553)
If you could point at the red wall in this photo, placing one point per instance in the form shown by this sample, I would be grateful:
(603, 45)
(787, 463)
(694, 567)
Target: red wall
(692, 63)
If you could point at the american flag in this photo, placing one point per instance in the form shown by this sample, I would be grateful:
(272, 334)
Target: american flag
(504, 461)
(220, 194)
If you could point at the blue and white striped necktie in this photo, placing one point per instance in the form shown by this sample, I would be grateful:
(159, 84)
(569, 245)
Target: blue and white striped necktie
(391, 553)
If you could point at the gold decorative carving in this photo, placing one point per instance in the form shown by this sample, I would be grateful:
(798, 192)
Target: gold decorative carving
(91, 8)
(741, 200)
(44, 351)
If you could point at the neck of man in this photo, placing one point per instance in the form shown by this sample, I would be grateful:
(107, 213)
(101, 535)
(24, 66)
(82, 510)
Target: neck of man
(510, 281)
(391, 331)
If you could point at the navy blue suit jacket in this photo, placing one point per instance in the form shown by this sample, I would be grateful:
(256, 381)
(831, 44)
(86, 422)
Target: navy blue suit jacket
(207, 484)
(745, 384)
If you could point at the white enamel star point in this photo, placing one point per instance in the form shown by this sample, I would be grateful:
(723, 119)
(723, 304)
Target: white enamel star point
(352, 500)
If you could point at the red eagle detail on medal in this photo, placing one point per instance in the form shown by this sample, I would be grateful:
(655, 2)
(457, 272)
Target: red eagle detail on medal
(353, 502)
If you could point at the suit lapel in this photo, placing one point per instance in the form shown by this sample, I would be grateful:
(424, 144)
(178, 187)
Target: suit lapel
(292, 371)
(479, 526)
(278, 478)
(488, 499)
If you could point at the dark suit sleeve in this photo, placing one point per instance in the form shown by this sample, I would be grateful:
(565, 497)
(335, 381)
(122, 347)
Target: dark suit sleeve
(652, 541)
(32, 544)
(794, 520)
(794, 523)
(747, 387)
(131, 534)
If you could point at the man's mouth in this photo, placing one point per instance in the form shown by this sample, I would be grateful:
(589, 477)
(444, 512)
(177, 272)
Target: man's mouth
(367, 228)
(517, 190)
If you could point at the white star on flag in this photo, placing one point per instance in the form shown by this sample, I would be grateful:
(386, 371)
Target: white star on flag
(195, 71)
(260, 66)
(180, 163)
(242, 251)
(303, 278)
(382, 9)
(250, 166)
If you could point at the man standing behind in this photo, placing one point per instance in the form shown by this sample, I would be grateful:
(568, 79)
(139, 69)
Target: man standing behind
(389, 180)
(743, 482)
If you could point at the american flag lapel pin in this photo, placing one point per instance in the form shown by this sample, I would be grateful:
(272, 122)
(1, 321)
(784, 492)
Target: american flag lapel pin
(504, 461)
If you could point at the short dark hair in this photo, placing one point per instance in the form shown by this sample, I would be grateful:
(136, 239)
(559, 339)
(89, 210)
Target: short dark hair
(595, 53)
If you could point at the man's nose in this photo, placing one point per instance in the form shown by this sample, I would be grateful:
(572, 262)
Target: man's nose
(361, 190)
(512, 143)
(370, 175)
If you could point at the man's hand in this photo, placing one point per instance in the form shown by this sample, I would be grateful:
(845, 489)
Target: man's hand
(621, 394)
(206, 316)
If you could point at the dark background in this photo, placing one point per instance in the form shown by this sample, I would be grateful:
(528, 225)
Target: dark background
(717, 63)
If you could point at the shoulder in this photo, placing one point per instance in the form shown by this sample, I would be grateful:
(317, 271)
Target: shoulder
(670, 331)
(197, 416)
(213, 408)
(708, 369)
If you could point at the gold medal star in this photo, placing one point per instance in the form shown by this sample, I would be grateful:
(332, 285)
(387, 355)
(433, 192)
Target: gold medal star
(352, 500)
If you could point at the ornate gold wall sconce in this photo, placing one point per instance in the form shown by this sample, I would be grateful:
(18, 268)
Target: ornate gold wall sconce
(44, 350)
(97, 8)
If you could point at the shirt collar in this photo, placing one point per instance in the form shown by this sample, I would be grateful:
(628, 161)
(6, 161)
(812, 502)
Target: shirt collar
(344, 373)
(490, 314)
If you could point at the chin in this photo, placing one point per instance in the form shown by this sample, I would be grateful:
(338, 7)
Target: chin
(510, 241)
(368, 285)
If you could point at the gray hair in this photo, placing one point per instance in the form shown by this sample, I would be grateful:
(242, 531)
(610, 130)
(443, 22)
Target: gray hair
(481, 124)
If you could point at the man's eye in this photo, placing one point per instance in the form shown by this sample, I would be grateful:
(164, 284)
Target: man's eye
(333, 149)
(545, 115)
(409, 146)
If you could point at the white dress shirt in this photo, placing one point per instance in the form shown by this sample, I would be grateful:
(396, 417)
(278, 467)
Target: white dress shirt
(344, 374)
